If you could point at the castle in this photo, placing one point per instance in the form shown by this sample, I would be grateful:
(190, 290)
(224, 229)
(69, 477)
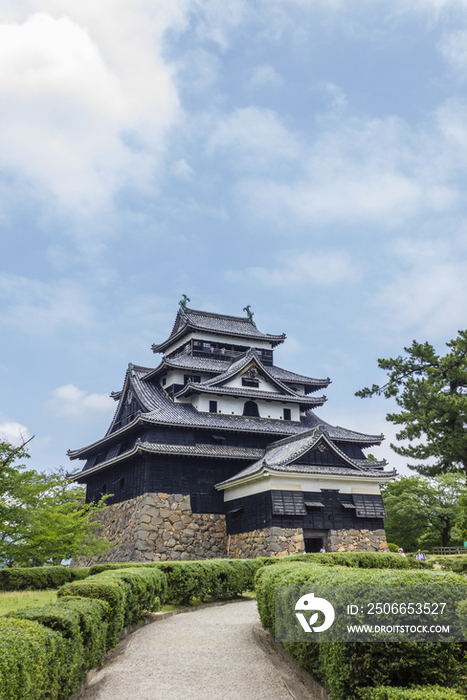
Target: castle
(218, 452)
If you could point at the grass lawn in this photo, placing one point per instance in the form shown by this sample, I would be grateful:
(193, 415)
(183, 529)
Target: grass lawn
(16, 600)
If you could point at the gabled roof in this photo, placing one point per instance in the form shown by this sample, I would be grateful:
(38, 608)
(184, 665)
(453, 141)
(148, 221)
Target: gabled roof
(219, 324)
(284, 456)
(216, 366)
(250, 359)
(247, 393)
(159, 409)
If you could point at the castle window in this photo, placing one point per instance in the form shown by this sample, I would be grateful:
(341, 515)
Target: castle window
(251, 409)
(194, 379)
(218, 439)
(213, 407)
(287, 414)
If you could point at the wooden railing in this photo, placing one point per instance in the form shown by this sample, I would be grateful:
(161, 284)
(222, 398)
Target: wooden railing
(450, 550)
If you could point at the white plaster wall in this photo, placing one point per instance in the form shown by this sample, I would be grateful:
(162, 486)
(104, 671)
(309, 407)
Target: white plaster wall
(264, 385)
(302, 482)
(174, 377)
(234, 406)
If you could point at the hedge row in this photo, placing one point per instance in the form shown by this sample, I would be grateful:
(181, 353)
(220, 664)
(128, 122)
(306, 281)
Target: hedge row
(361, 560)
(45, 652)
(40, 577)
(426, 692)
(346, 668)
(186, 580)
(128, 592)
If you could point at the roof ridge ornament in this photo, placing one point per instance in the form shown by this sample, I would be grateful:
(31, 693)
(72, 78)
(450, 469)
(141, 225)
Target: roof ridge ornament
(131, 369)
(250, 314)
(182, 304)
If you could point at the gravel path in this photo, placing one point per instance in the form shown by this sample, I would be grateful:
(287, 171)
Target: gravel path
(209, 653)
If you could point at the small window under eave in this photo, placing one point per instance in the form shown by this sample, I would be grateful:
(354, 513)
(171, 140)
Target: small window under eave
(235, 510)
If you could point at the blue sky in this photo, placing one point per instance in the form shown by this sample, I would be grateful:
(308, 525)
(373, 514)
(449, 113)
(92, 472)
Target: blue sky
(307, 157)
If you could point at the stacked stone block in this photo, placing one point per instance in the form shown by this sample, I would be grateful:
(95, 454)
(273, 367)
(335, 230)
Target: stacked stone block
(162, 527)
(357, 541)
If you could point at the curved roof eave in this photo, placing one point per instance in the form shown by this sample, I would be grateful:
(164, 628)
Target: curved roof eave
(185, 323)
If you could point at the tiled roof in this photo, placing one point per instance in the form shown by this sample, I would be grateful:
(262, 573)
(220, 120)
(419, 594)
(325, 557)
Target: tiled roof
(220, 451)
(219, 324)
(159, 409)
(215, 366)
(203, 388)
(283, 456)
(251, 356)
(285, 376)
(217, 451)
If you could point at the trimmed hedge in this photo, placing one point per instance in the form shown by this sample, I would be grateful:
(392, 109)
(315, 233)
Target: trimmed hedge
(46, 651)
(82, 625)
(31, 660)
(39, 577)
(425, 692)
(345, 668)
(128, 593)
(360, 560)
(219, 578)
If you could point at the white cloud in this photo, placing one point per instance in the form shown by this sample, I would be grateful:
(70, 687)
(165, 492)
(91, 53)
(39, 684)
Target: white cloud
(14, 433)
(265, 75)
(182, 169)
(428, 295)
(69, 401)
(453, 48)
(255, 137)
(347, 171)
(306, 268)
(336, 96)
(86, 98)
(41, 308)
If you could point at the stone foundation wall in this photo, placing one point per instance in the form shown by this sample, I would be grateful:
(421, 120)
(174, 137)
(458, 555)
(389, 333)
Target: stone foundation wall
(270, 542)
(160, 527)
(356, 541)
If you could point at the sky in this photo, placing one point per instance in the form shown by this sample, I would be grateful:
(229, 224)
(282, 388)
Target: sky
(306, 157)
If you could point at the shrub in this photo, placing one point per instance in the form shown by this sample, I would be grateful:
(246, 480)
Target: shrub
(83, 626)
(38, 577)
(362, 560)
(129, 592)
(219, 578)
(344, 668)
(393, 547)
(104, 588)
(425, 692)
(145, 589)
(31, 659)
(66, 623)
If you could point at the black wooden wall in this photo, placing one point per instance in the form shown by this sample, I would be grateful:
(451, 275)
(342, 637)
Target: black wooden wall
(256, 512)
(168, 474)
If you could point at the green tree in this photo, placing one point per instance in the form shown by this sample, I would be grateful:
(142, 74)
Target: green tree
(431, 390)
(423, 512)
(43, 517)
